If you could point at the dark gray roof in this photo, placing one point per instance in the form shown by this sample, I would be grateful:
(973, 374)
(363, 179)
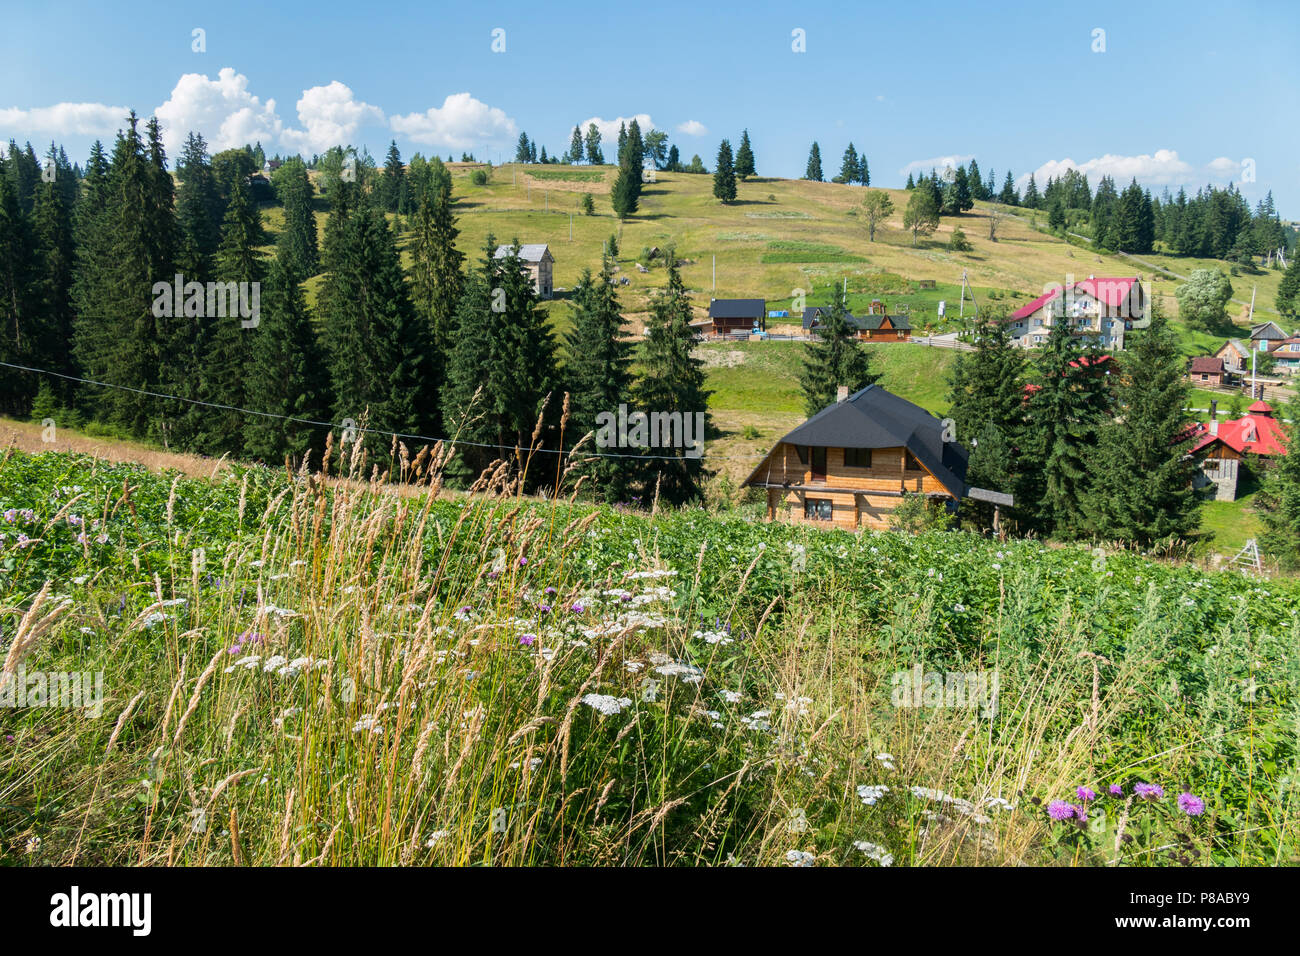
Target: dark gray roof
(1267, 330)
(813, 317)
(738, 308)
(875, 418)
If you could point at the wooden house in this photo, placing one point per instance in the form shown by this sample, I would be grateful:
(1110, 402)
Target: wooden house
(1221, 447)
(875, 326)
(850, 465)
(1206, 370)
(539, 262)
(1286, 355)
(1235, 354)
(737, 316)
(1264, 335)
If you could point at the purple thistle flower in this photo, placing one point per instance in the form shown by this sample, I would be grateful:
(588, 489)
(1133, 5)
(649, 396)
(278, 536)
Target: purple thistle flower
(523, 562)
(1116, 790)
(1190, 805)
(1085, 794)
(577, 608)
(1060, 810)
(527, 639)
(1149, 791)
(549, 590)
(544, 608)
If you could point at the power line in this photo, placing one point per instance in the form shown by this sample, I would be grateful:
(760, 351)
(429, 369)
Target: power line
(356, 428)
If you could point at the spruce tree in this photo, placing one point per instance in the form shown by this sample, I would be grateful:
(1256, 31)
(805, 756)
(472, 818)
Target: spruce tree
(55, 250)
(20, 331)
(672, 382)
(864, 172)
(1143, 492)
(724, 174)
(849, 165)
(1278, 501)
(226, 341)
(1287, 299)
(394, 178)
(285, 374)
(745, 157)
(436, 278)
(1071, 402)
(1008, 194)
(198, 210)
(837, 358)
(598, 378)
(814, 168)
(1031, 199)
(297, 245)
(575, 146)
(377, 348)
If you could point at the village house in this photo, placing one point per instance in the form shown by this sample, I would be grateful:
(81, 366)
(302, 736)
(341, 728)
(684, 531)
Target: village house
(875, 326)
(1264, 335)
(1236, 356)
(1206, 370)
(1286, 355)
(1221, 447)
(1098, 310)
(850, 465)
(539, 262)
(737, 316)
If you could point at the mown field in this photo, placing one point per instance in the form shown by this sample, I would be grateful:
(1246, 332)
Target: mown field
(325, 672)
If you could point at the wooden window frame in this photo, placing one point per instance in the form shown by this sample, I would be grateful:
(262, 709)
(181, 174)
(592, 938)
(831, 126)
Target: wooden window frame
(853, 457)
(813, 509)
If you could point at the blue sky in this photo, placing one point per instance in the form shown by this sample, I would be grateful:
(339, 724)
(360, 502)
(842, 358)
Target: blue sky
(1182, 93)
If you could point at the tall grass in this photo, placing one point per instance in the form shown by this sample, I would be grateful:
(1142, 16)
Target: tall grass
(352, 670)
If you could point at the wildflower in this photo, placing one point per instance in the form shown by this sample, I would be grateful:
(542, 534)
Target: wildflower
(200, 822)
(549, 591)
(577, 608)
(544, 608)
(730, 696)
(436, 837)
(870, 794)
(527, 639)
(887, 761)
(1060, 810)
(367, 722)
(799, 858)
(33, 844)
(1191, 805)
(1116, 790)
(875, 851)
(1149, 791)
(605, 704)
(1085, 794)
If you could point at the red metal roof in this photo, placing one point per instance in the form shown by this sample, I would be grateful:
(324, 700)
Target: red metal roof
(1256, 433)
(1108, 291)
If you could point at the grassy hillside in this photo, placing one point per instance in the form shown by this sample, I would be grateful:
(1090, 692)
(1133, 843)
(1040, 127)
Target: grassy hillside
(303, 672)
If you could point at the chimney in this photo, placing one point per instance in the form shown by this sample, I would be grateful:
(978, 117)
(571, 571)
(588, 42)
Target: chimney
(842, 393)
(1214, 409)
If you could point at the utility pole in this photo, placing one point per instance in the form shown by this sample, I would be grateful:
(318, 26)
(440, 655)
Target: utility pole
(570, 227)
(1250, 318)
(715, 274)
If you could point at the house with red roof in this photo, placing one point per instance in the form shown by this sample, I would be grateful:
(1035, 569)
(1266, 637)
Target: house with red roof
(1222, 447)
(1098, 309)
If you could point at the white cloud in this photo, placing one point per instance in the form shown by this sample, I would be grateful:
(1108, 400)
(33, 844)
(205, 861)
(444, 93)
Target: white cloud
(462, 122)
(63, 119)
(1223, 168)
(331, 116)
(692, 128)
(222, 110)
(938, 163)
(609, 128)
(1162, 168)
